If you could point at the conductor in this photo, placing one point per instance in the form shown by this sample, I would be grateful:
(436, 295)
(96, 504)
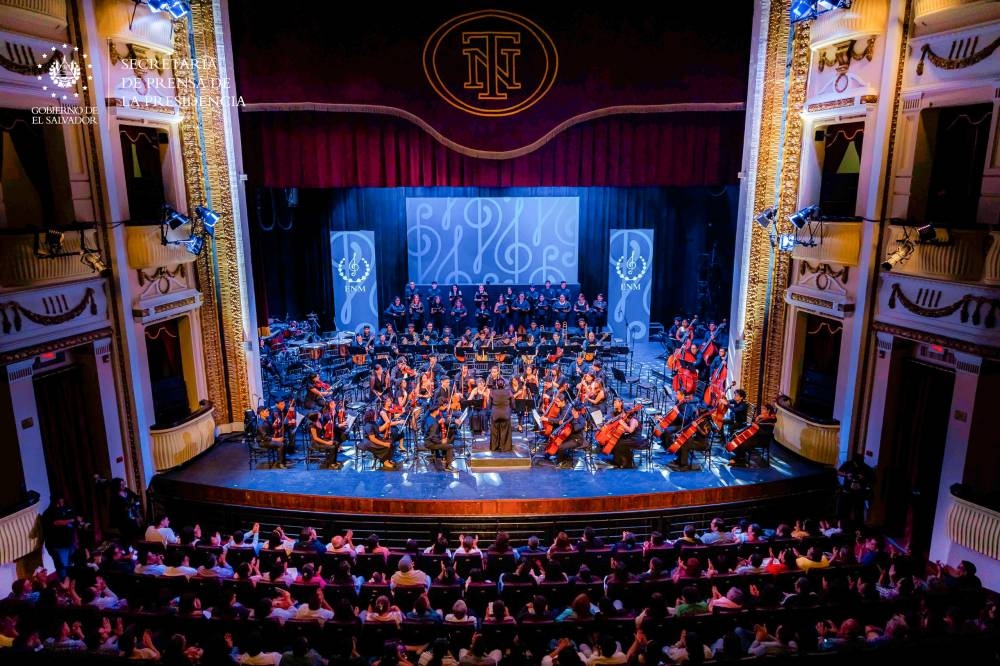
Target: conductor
(500, 429)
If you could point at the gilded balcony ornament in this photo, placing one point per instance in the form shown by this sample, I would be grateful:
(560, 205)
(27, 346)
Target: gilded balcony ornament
(843, 55)
(964, 47)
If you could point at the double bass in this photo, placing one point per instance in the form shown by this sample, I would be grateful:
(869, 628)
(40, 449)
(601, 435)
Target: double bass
(612, 431)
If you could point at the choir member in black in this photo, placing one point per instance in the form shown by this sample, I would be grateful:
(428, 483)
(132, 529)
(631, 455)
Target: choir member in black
(438, 312)
(522, 311)
(563, 290)
(396, 312)
(378, 382)
(411, 291)
(500, 312)
(543, 314)
(581, 308)
(432, 292)
(410, 336)
(430, 335)
(481, 297)
(500, 425)
(389, 336)
(532, 296)
(535, 331)
(457, 314)
(576, 439)
(284, 408)
(560, 310)
(454, 294)
(417, 313)
(549, 292)
(483, 316)
(271, 434)
(599, 313)
(318, 439)
(439, 433)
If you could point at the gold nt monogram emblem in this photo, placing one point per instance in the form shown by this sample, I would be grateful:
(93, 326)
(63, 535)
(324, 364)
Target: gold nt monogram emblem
(490, 62)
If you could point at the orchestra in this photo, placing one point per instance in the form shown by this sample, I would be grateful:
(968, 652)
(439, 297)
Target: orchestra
(431, 376)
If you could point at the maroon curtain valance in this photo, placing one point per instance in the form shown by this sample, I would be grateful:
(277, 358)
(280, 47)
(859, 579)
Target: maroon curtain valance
(321, 149)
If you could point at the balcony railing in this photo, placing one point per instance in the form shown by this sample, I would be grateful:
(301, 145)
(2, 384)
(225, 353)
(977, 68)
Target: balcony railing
(974, 527)
(815, 439)
(958, 256)
(21, 265)
(20, 534)
(177, 443)
(146, 249)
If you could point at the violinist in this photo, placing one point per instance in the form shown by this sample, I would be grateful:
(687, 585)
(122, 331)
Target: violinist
(378, 382)
(439, 433)
(519, 392)
(623, 454)
(322, 434)
(317, 392)
(596, 396)
(494, 378)
(425, 389)
(391, 420)
(553, 378)
(402, 370)
(284, 410)
(531, 382)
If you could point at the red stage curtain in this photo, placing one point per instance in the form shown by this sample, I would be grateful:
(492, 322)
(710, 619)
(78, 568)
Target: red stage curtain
(322, 150)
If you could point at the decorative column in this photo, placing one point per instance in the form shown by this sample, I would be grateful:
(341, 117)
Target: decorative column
(208, 161)
(99, 352)
(956, 447)
(29, 437)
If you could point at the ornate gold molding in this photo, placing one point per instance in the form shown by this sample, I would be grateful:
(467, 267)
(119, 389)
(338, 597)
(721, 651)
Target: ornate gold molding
(812, 300)
(764, 192)
(982, 351)
(225, 360)
(832, 104)
(843, 55)
(787, 204)
(55, 345)
(967, 45)
(824, 273)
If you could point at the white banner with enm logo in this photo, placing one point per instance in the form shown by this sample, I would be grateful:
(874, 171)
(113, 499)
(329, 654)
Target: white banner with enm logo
(355, 295)
(630, 283)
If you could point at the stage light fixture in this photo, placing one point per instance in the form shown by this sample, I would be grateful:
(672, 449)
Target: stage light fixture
(802, 217)
(766, 217)
(94, 262)
(173, 218)
(177, 9)
(194, 244)
(901, 254)
(786, 242)
(926, 233)
(208, 219)
(158, 5)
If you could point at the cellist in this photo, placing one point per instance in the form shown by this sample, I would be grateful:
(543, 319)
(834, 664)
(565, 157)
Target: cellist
(567, 437)
(622, 456)
(717, 375)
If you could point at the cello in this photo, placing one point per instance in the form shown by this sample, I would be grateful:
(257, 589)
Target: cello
(559, 435)
(553, 411)
(669, 417)
(687, 433)
(612, 431)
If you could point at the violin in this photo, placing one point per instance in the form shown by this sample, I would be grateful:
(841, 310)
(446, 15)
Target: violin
(612, 431)
(407, 372)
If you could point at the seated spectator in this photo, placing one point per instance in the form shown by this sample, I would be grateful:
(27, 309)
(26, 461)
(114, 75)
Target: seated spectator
(689, 568)
(154, 565)
(689, 537)
(589, 540)
(753, 565)
(655, 612)
(628, 543)
(476, 576)
(522, 573)
(408, 575)
(584, 576)
(689, 649)
(342, 544)
(497, 613)
(690, 602)
(265, 609)
(438, 653)
(372, 546)
(342, 576)
(656, 570)
(656, 540)
(561, 544)
(179, 564)
(447, 576)
(253, 652)
(311, 575)
(302, 655)
(382, 610)
(66, 637)
(280, 573)
(160, 531)
(778, 645)
(344, 612)
(733, 600)
(189, 606)
(229, 608)
(460, 613)
(138, 650)
(476, 654)
(552, 572)
(248, 571)
(717, 533)
(803, 595)
(468, 545)
(316, 608)
(775, 564)
(848, 636)
(501, 546)
(580, 609)
(423, 612)
(215, 567)
(813, 559)
(533, 547)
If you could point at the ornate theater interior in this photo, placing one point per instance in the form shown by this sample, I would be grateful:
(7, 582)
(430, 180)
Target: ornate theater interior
(479, 333)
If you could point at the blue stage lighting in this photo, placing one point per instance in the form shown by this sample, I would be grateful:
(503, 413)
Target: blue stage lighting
(786, 242)
(174, 218)
(802, 217)
(194, 245)
(208, 219)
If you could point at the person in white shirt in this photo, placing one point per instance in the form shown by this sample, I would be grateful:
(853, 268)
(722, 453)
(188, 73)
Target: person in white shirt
(316, 609)
(254, 652)
(179, 564)
(407, 575)
(154, 565)
(265, 609)
(160, 531)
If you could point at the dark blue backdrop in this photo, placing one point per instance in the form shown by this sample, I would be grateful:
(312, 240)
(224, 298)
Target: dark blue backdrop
(291, 249)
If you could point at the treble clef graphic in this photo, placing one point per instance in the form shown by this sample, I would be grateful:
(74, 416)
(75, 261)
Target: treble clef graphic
(630, 264)
(353, 266)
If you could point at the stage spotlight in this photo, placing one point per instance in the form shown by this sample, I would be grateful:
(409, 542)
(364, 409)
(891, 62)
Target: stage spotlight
(194, 245)
(158, 5)
(802, 217)
(902, 253)
(766, 217)
(94, 262)
(926, 233)
(786, 242)
(208, 219)
(173, 218)
(177, 9)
